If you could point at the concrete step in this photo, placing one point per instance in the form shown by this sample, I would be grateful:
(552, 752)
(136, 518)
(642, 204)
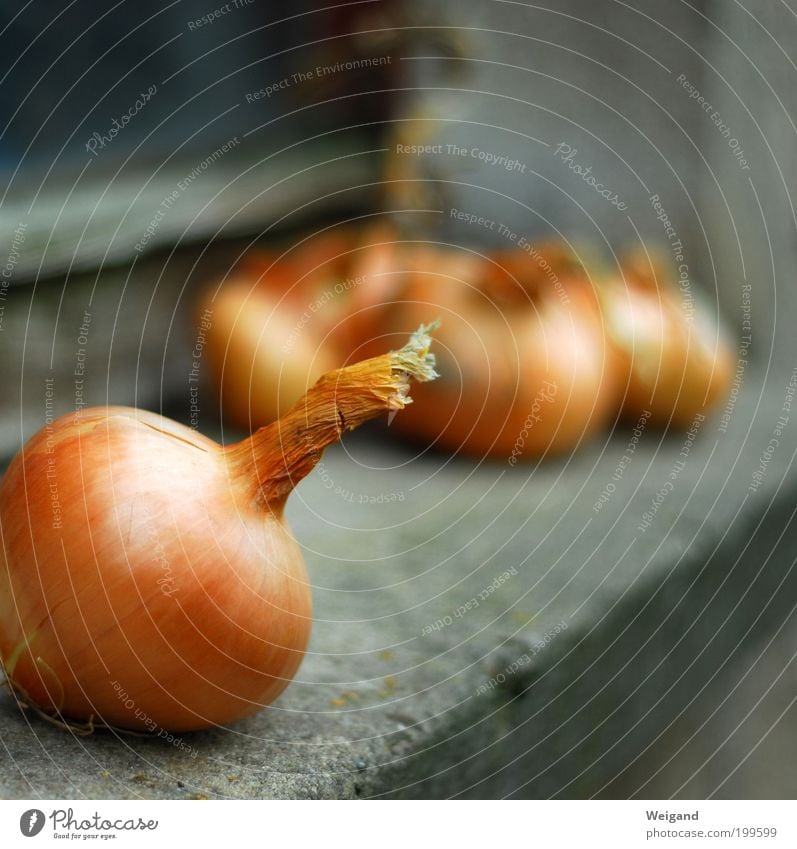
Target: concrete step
(484, 630)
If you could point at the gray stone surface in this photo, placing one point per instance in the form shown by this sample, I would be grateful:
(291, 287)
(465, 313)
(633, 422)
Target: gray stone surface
(753, 229)
(117, 336)
(104, 219)
(385, 706)
(736, 740)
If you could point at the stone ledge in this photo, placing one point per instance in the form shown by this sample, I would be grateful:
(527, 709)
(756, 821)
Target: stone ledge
(389, 703)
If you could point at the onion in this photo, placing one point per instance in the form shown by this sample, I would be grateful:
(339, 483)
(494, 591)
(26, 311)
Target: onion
(260, 359)
(527, 370)
(538, 354)
(276, 326)
(676, 361)
(148, 577)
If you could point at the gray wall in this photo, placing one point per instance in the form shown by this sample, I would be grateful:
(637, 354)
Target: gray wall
(752, 228)
(598, 77)
(695, 103)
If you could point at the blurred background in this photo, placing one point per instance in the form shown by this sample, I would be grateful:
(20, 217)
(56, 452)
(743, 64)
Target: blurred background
(146, 148)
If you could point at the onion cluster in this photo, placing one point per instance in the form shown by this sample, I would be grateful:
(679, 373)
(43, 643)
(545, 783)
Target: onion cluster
(537, 350)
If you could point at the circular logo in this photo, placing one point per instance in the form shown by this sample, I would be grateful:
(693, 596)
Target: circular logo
(31, 822)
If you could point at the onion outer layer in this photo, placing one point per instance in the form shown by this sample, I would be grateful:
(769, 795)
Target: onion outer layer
(167, 592)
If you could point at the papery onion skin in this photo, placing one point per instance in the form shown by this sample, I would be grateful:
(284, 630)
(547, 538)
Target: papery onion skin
(261, 359)
(279, 322)
(168, 591)
(676, 362)
(526, 368)
(136, 599)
